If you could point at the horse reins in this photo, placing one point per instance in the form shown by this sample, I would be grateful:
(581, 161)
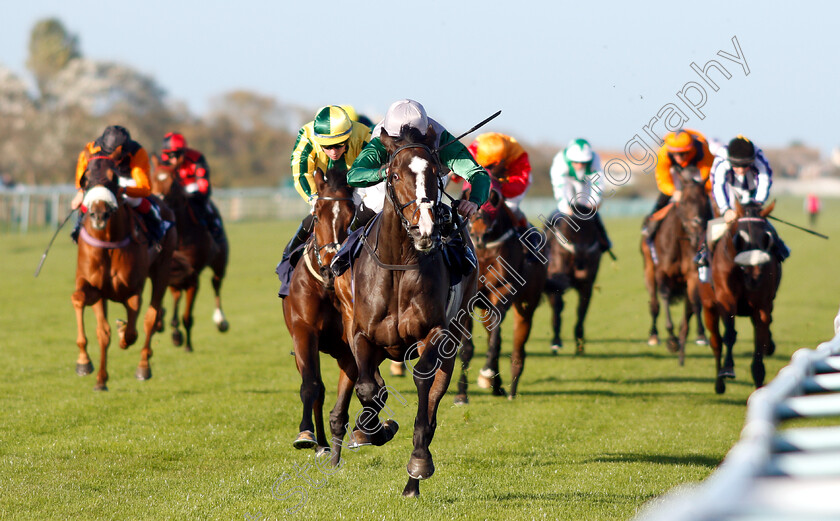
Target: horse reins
(317, 249)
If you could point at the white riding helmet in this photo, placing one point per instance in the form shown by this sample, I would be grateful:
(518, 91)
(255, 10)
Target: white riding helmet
(579, 151)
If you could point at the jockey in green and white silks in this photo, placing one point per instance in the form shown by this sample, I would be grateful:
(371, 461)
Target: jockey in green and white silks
(577, 179)
(367, 172)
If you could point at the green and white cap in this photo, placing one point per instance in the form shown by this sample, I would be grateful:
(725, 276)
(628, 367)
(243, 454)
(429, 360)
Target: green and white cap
(579, 151)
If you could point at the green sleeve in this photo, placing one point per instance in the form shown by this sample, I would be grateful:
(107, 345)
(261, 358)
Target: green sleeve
(366, 168)
(461, 162)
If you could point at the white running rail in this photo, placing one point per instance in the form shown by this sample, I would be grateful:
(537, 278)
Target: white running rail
(772, 473)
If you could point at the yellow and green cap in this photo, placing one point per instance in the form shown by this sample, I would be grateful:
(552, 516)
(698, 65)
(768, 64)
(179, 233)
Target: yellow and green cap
(332, 125)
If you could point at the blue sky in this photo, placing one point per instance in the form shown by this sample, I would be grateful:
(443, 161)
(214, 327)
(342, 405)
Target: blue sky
(598, 70)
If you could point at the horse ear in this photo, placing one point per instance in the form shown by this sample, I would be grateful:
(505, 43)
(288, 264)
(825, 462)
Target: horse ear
(739, 210)
(769, 208)
(116, 153)
(431, 136)
(387, 141)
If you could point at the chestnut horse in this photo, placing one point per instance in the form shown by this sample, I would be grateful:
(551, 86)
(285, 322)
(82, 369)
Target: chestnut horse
(574, 260)
(670, 271)
(319, 319)
(404, 304)
(196, 250)
(745, 277)
(510, 279)
(114, 260)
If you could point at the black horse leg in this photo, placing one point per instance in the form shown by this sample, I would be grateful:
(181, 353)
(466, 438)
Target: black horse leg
(556, 301)
(311, 387)
(467, 351)
(729, 337)
(585, 296)
(491, 366)
(370, 393)
(339, 416)
(672, 343)
(761, 325)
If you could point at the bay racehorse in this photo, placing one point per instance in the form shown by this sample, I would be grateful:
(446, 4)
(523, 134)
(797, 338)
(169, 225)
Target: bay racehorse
(403, 304)
(670, 271)
(114, 260)
(509, 279)
(746, 275)
(196, 250)
(319, 319)
(574, 257)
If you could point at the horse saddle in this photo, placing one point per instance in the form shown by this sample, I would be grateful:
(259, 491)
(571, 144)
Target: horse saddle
(350, 248)
(286, 268)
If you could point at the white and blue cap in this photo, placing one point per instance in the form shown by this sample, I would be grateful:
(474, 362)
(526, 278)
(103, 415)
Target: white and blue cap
(405, 113)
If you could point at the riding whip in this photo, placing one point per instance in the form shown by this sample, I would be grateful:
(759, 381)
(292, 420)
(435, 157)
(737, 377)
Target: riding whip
(44, 256)
(478, 126)
(812, 232)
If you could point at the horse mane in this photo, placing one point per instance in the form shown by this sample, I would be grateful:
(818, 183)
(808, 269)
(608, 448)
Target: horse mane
(97, 173)
(336, 179)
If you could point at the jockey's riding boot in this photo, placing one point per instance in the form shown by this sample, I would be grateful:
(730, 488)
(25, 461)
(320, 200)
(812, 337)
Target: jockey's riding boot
(301, 235)
(702, 257)
(649, 228)
(78, 227)
(603, 238)
(214, 223)
(154, 224)
(702, 262)
(781, 250)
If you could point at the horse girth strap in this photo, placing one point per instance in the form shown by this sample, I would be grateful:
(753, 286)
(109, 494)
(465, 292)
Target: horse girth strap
(310, 267)
(390, 267)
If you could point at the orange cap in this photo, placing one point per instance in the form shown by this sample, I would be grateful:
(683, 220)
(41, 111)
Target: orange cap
(492, 148)
(679, 141)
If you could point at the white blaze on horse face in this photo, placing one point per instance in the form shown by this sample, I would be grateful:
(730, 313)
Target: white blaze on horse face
(336, 210)
(427, 222)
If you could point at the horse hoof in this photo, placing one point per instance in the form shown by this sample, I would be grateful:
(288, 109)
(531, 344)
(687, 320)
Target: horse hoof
(305, 440)
(484, 379)
(499, 391)
(177, 338)
(143, 373)
(223, 326)
(358, 439)
(100, 387)
(727, 372)
(397, 369)
(653, 340)
(84, 369)
(390, 427)
(720, 386)
(555, 348)
(322, 451)
(511, 397)
(579, 347)
(672, 345)
(461, 399)
(188, 348)
(701, 341)
(420, 468)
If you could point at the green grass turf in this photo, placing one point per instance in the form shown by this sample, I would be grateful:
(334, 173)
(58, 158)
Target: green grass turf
(209, 436)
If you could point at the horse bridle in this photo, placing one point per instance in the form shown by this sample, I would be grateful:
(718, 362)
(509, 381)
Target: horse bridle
(334, 245)
(424, 203)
